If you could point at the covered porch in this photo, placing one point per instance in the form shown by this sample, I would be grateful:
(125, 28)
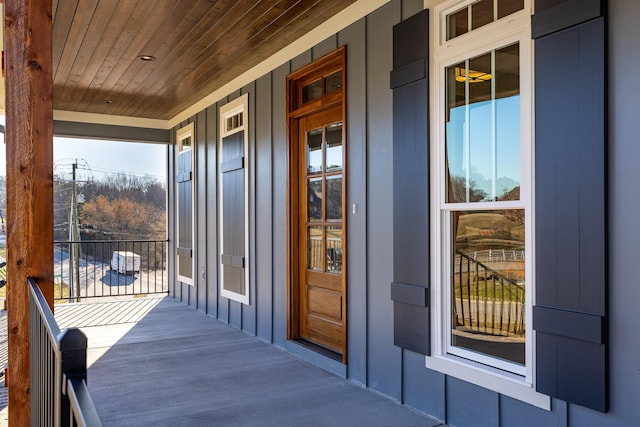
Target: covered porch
(155, 361)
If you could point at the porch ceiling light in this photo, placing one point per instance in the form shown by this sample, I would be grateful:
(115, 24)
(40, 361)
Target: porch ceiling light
(474, 76)
(146, 58)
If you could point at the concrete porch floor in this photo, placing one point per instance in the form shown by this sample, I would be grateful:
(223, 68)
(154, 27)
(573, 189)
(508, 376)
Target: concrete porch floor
(156, 362)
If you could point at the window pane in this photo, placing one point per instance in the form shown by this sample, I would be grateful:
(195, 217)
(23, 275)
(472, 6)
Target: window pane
(314, 243)
(334, 147)
(333, 82)
(334, 197)
(458, 23)
(507, 7)
(481, 13)
(507, 117)
(185, 143)
(455, 116)
(314, 151)
(480, 141)
(334, 250)
(488, 283)
(314, 205)
(483, 128)
(312, 91)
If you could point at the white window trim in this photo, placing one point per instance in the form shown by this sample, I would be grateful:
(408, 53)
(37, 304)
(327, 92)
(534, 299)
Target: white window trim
(501, 33)
(183, 133)
(238, 105)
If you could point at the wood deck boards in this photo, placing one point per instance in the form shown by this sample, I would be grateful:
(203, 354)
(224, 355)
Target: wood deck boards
(175, 366)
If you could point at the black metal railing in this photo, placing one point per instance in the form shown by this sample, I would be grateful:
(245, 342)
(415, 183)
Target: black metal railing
(103, 268)
(487, 300)
(58, 369)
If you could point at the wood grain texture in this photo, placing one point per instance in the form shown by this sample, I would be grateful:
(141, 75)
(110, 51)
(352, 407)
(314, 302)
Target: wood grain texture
(29, 139)
(198, 45)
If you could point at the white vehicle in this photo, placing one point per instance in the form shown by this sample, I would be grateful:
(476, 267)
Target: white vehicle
(125, 262)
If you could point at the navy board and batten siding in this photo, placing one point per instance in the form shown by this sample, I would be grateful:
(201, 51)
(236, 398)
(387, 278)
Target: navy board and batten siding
(369, 128)
(374, 158)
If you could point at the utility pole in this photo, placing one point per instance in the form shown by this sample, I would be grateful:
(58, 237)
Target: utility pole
(74, 237)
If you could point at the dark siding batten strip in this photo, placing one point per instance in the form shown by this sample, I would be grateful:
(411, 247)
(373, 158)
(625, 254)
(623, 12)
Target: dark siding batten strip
(212, 210)
(264, 188)
(384, 361)
(354, 37)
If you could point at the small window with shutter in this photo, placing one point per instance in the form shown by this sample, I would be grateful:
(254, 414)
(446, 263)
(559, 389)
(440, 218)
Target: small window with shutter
(233, 204)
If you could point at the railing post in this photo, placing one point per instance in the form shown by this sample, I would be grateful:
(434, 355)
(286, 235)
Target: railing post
(73, 355)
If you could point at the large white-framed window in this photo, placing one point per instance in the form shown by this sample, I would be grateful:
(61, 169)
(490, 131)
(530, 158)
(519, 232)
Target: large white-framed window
(185, 212)
(234, 200)
(481, 195)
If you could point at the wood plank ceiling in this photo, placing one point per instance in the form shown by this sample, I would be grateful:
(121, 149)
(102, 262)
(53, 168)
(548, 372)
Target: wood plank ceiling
(197, 46)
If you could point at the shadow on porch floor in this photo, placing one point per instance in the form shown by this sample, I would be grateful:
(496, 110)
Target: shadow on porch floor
(156, 362)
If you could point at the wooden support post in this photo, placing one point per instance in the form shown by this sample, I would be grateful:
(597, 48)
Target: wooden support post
(29, 144)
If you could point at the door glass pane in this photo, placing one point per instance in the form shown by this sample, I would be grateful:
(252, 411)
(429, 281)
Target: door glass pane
(314, 245)
(312, 91)
(314, 151)
(314, 205)
(458, 23)
(481, 13)
(483, 128)
(488, 283)
(333, 82)
(334, 197)
(334, 147)
(334, 250)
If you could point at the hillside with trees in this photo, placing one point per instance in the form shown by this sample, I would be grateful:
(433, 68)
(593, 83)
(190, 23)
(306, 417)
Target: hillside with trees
(117, 207)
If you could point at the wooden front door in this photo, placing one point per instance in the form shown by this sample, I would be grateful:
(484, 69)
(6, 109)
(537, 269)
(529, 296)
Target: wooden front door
(317, 286)
(320, 255)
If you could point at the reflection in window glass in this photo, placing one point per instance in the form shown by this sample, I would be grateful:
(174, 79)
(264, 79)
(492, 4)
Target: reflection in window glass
(457, 23)
(488, 283)
(234, 122)
(314, 206)
(314, 151)
(334, 147)
(481, 13)
(483, 128)
(507, 7)
(312, 91)
(334, 250)
(334, 197)
(186, 143)
(314, 245)
(333, 82)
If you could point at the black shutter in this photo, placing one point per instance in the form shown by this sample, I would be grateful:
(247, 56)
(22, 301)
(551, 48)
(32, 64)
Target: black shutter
(569, 316)
(410, 288)
(184, 183)
(232, 170)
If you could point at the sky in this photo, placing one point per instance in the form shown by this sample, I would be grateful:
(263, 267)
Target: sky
(97, 157)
